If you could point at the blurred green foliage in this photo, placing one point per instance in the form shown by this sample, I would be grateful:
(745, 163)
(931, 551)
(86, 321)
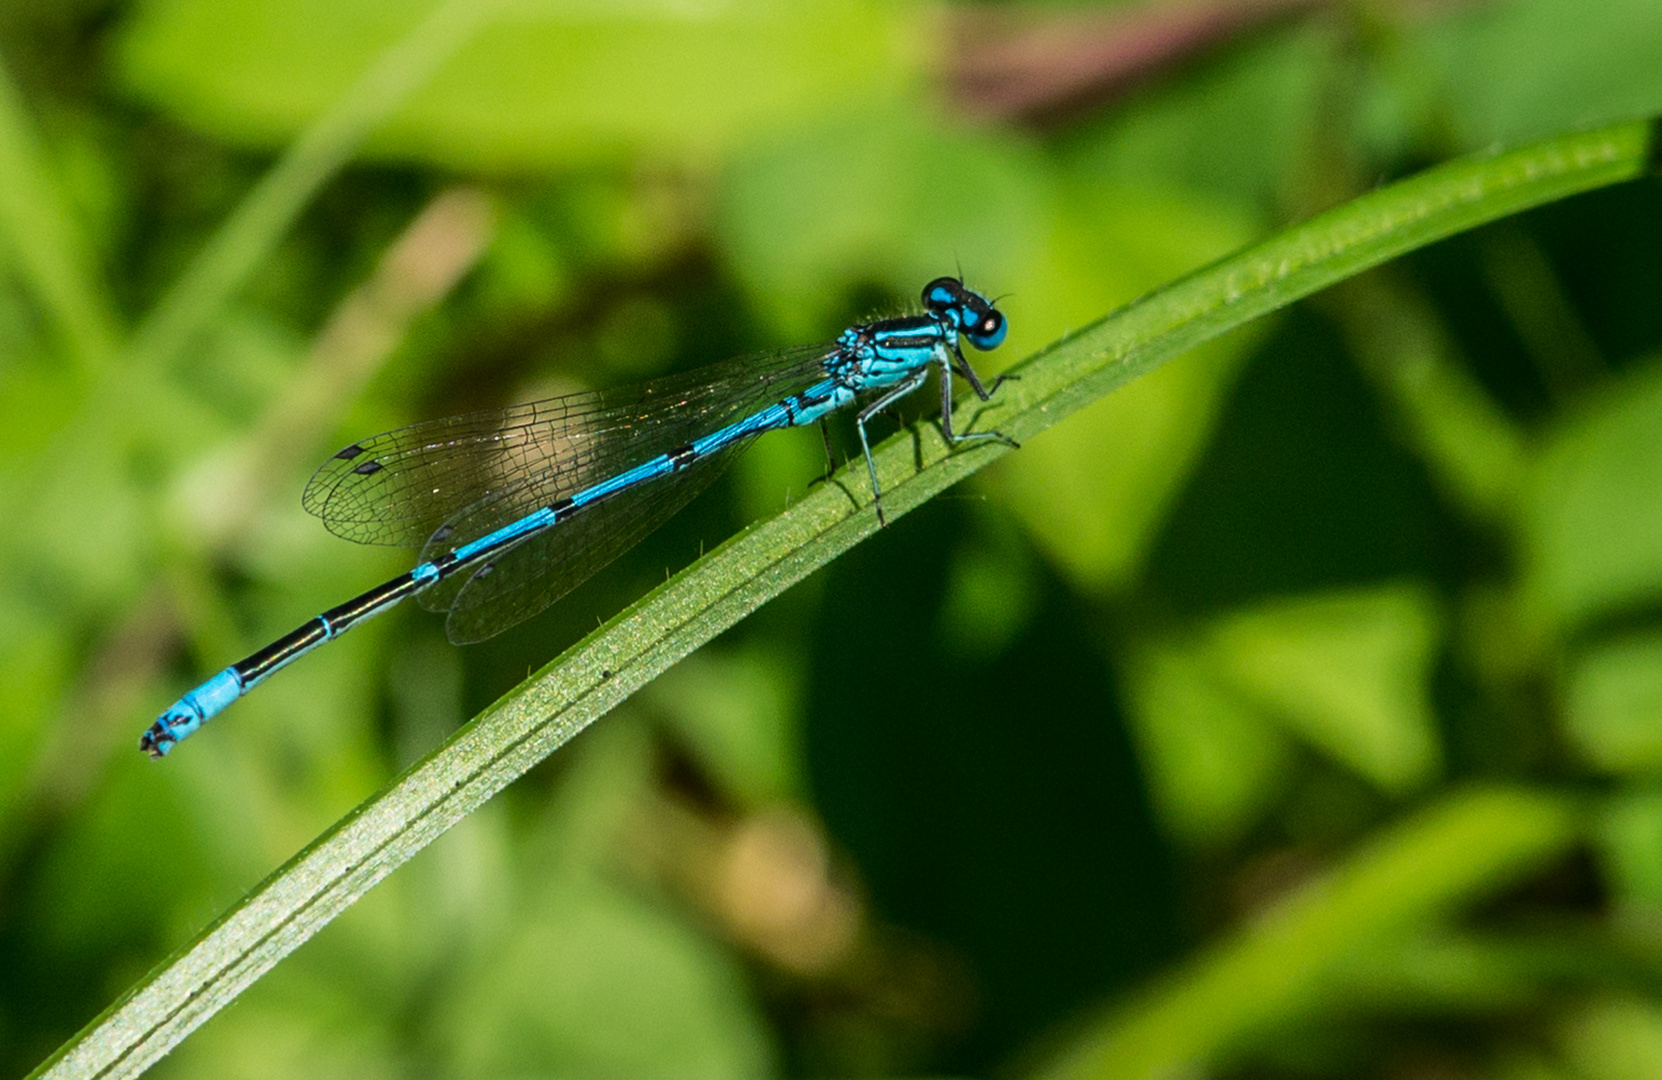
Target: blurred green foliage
(1293, 712)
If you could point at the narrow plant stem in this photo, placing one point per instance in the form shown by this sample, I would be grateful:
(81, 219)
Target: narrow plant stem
(417, 271)
(113, 413)
(545, 711)
(41, 234)
(248, 236)
(1476, 453)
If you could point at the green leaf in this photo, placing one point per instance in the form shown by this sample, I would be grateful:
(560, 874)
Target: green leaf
(1474, 843)
(546, 83)
(1236, 127)
(1452, 971)
(1277, 968)
(1618, 1038)
(1473, 449)
(1613, 705)
(589, 979)
(879, 195)
(599, 983)
(380, 81)
(1594, 510)
(1529, 67)
(35, 660)
(1348, 672)
(1093, 495)
(1212, 759)
(36, 227)
(737, 715)
(1630, 843)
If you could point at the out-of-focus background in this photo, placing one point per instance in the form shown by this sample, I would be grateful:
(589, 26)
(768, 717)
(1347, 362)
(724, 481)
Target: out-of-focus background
(1295, 712)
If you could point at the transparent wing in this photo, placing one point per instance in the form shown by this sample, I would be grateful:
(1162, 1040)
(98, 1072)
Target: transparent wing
(530, 576)
(482, 470)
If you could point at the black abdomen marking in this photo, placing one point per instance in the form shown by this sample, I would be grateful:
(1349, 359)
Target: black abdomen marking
(281, 651)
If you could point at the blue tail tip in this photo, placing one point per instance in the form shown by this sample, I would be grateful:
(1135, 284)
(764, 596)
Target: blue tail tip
(181, 718)
(191, 712)
(165, 732)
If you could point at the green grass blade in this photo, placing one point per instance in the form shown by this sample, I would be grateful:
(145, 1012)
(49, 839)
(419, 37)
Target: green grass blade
(261, 219)
(51, 254)
(1461, 849)
(717, 591)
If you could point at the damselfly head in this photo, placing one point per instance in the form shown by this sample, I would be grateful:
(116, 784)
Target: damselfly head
(974, 314)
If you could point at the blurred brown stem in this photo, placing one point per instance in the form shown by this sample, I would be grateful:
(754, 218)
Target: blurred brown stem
(421, 267)
(1033, 63)
(419, 270)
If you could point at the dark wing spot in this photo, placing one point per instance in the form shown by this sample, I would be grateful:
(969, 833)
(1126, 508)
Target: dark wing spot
(369, 468)
(350, 452)
(442, 533)
(484, 571)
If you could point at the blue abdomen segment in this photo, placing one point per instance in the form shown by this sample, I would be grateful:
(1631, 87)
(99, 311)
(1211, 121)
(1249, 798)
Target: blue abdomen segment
(192, 711)
(205, 702)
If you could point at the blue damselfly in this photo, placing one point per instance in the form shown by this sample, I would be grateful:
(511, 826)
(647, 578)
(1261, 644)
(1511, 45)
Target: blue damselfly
(513, 508)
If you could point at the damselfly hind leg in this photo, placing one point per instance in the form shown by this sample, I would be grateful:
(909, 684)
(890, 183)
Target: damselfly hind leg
(912, 382)
(957, 438)
(830, 455)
